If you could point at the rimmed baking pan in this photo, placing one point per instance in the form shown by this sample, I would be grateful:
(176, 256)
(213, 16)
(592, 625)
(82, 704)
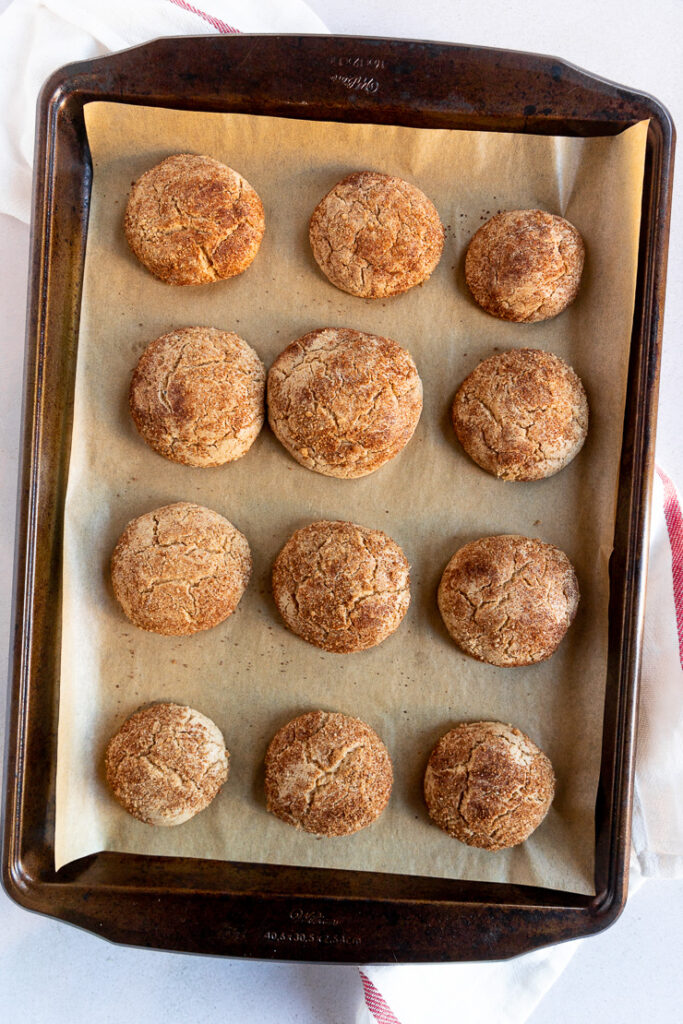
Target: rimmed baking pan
(273, 911)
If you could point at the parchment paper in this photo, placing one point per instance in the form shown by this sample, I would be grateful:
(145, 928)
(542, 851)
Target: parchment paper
(250, 675)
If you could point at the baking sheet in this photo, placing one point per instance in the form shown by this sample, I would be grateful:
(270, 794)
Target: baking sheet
(249, 674)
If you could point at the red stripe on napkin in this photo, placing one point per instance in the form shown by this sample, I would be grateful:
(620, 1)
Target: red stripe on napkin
(674, 525)
(376, 1004)
(216, 23)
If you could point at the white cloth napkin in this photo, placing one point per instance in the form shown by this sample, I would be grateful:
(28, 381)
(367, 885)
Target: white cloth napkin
(51, 33)
(55, 32)
(658, 800)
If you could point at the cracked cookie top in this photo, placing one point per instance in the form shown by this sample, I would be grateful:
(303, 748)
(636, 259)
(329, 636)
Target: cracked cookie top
(508, 600)
(166, 763)
(340, 586)
(525, 265)
(197, 396)
(343, 402)
(328, 774)
(374, 235)
(180, 569)
(488, 785)
(193, 220)
(521, 415)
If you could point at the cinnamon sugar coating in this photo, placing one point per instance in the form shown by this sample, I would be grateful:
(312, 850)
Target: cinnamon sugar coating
(521, 415)
(343, 402)
(375, 235)
(193, 220)
(525, 265)
(508, 600)
(328, 774)
(197, 396)
(166, 763)
(180, 569)
(340, 586)
(488, 785)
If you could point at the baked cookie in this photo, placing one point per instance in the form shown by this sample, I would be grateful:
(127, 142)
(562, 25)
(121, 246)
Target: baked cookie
(488, 785)
(525, 265)
(328, 774)
(374, 235)
(192, 220)
(180, 569)
(166, 763)
(197, 396)
(508, 600)
(340, 586)
(342, 402)
(521, 415)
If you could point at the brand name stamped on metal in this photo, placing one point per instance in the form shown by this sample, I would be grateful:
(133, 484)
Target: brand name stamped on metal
(349, 73)
(312, 917)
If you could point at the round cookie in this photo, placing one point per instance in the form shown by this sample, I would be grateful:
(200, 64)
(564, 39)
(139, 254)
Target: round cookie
(374, 235)
(521, 415)
(340, 586)
(166, 763)
(508, 600)
(328, 774)
(488, 785)
(180, 569)
(525, 265)
(197, 396)
(193, 220)
(343, 402)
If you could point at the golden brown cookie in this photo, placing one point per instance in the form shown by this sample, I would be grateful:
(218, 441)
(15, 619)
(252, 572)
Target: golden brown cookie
(508, 600)
(521, 415)
(192, 220)
(328, 774)
(342, 402)
(180, 569)
(340, 586)
(488, 785)
(525, 265)
(374, 235)
(166, 763)
(197, 396)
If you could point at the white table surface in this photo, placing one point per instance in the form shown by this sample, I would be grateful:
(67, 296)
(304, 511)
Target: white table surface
(51, 972)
